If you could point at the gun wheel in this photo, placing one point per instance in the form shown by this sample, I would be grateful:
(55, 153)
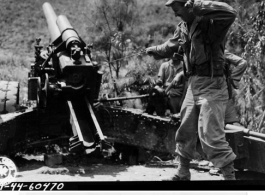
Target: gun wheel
(9, 96)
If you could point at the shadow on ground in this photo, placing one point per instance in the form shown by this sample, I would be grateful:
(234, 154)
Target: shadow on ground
(84, 166)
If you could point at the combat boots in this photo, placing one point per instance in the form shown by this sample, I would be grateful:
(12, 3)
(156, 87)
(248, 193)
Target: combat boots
(183, 170)
(228, 172)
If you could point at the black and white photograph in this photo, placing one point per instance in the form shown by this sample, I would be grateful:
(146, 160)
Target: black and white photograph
(142, 93)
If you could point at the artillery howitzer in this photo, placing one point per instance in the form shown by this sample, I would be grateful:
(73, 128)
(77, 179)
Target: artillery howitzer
(64, 82)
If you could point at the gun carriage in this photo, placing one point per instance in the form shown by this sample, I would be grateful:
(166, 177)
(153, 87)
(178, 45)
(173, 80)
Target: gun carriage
(63, 81)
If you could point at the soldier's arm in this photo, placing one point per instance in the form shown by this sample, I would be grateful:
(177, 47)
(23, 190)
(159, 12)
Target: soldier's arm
(220, 16)
(176, 81)
(167, 49)
(177, 78)
(214, 10)
(239, 63)
(217, 17)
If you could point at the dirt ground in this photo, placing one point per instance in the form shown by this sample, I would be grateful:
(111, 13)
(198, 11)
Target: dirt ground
(99, 169)
(100, 172)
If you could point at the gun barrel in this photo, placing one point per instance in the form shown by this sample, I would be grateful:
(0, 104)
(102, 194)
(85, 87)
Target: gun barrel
(245, 131)
(124, 98)
(69, 35)
(51, 18)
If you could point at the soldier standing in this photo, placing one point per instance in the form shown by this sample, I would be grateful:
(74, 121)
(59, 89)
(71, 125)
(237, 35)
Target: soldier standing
(201, 36)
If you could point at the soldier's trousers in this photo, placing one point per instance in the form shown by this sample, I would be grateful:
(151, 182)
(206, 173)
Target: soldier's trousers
(203, 118)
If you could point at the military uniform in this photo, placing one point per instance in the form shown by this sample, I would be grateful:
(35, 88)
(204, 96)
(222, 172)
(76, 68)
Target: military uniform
(237, 72)
(166, 74)
(203, 110)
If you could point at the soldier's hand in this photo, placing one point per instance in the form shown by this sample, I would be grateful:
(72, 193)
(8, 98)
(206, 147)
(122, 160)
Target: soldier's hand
(176, 80)
(151, 50)
(189, 4)
(142, 52)
(44, 54)
(159, 82)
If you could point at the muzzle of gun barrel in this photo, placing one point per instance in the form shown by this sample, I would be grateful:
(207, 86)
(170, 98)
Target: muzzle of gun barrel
(69, 35)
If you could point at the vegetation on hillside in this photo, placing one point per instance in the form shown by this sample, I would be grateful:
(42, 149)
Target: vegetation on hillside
(247, 39)
(24, 21)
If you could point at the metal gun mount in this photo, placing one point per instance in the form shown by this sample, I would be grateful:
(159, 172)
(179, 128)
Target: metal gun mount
(63, 81)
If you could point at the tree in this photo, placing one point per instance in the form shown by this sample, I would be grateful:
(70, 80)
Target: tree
(114, 22)
(248, 39)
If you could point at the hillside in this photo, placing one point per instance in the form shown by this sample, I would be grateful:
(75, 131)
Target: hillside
(23, 21)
